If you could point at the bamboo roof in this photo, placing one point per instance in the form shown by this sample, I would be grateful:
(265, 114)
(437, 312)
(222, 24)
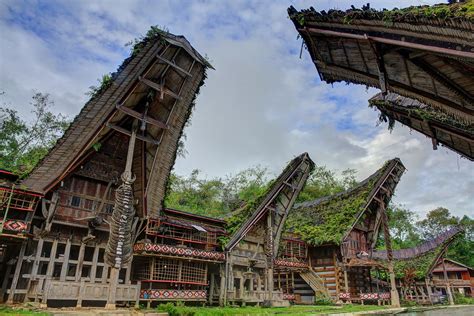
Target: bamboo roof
(157, 84)
(425, 53)
(420, 259)
(330, 219)
(278, 199)
(438, 126)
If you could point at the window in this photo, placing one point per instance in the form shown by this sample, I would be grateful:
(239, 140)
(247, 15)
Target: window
(75, 201)
(89, 204)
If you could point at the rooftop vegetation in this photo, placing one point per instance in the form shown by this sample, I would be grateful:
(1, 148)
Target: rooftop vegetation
(412, 14)
(325, 221)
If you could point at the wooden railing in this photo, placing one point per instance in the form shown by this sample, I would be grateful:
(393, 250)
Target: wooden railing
(80, 291)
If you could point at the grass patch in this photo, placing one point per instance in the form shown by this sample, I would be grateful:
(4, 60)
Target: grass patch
(181, 310)
(4, 310)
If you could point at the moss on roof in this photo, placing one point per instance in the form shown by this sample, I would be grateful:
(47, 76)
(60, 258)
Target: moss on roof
(326, 220)
(421, 111)
(412, 14)
(240, 216)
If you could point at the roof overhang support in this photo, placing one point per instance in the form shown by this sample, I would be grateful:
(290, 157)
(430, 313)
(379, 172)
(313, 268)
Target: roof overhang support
(443, 79)
(141, 117)
(408, 89)
(126, 132)
(378, 52)
(176, 67)
(434, 49)
(160, 87)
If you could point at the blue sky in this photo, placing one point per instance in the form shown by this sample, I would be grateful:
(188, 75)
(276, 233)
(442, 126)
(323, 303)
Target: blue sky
(262, 105)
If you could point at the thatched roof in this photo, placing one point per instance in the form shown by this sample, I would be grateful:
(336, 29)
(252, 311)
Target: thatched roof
(425, 53)
(161, 78)
(278, 198)
(421, 259)
(328, 220)
(438, 126)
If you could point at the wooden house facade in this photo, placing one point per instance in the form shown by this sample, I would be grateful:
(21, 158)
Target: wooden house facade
(339, 234)
(102, 182)
(459, 276)
(256, 234)
(413, 268)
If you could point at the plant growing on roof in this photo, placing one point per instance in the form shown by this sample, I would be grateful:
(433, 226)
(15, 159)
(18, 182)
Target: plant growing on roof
(104, 83)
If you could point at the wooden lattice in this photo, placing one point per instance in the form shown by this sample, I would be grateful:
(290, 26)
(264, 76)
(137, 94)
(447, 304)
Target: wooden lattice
(172, 271)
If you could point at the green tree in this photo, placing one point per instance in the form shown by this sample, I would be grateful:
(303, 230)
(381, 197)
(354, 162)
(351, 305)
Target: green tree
(403, 231)
(323, 182)
(441, 219)
(23, 144)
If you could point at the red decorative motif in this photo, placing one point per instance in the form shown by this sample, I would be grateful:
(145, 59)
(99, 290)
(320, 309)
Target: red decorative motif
(289, 297)
(369, 296)
(345, 296)
(186, 252)
(191, 295)
(293, 264)
(15, 225)
(385, 296)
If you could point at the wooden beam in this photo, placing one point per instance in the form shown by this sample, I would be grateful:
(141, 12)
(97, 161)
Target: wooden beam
(430, 48)
(447, 103)
(16, 275)
(172, 64)
(443, 79)
(377, 50)
(159, 87)
(126, 132)
(141, 117)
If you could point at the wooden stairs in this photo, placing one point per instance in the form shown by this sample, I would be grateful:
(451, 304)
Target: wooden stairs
(312, 278)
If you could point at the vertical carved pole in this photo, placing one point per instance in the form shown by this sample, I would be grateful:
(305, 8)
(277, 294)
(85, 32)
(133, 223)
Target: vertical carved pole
(395, 300)
(269, 255)
(119, 248)
(448, 288)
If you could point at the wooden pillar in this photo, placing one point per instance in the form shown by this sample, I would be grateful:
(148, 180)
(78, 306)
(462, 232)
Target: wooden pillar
(211, 288)
(222, 287)
(251, 285)
(16, 275)
(428, 290)
(34, 269)
(82, 288)
(80, 262)
(95, 258)
(65, 265)
(5, 281)
(259, 283)
(105, 273)
(114, 275)
(448, 287)
(395, 299)
(52, 259)
(269, 277)
(241, 285)
(346, 283)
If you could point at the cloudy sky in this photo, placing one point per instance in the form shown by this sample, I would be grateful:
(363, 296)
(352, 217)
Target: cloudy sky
(262, 105)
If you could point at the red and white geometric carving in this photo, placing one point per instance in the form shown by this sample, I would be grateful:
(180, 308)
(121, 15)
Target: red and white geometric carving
(15, 225)
(345, 296)
(190, 295)
(177, 251)
(369, 296)
(287, 263)
(289, 297)
(385, 296)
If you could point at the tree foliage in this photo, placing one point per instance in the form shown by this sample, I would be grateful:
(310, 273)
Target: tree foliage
(24, 143)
